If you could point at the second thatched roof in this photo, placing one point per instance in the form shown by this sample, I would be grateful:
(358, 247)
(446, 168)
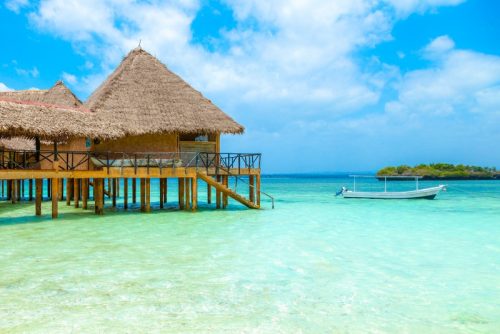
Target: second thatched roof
(142, 96)
(51, 122)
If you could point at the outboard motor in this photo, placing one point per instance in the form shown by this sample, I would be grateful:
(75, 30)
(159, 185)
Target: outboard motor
(341, 191)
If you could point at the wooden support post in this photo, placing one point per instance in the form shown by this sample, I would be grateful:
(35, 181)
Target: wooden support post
(194, 193)
(224, 195)
(187, 196)
(30, 190)
(3, 189)
(85, 193)
(118, 188)
(99, 196)
(181, 192)
(258, 189)
(114, 189)
(9, 190)
(251, 188)
(147, 188)
(165, 192)
(13, 191)
(76, 192)
(55, 198)
(49, 186)
(19, 190)
(38, 196)
(162, 189)
(61, 189)
(23, 193)
(134, 190)
(109, 187)
(218, 193)
(143, 194)
(69, 182)
(125, 193)
(209, 194)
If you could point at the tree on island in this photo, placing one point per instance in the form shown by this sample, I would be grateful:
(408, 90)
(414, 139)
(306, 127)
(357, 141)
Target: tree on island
(441, 171)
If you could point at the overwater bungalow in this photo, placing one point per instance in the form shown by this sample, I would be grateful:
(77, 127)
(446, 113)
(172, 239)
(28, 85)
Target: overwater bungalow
(142, 122)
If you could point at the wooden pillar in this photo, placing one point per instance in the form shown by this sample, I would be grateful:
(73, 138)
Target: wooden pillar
(30, 190)
(3, 189)
(23, 193)
(217, 193)
(251, 188)
(118, 187)
(85, 193)
(187, 196)
(181, 193)
(165, 191)
(114, 189)
(147, 188)
(49, 186)
(258, 188)
(194, 193)
(143, 194)
(38, 196)
(9, 190)
(55, 198)
(76, 192)
(209, 194)
(69, 182)
(162, 189)
(13, 191)
(125, 193)
(225, 179)
(134, 190)
(109, 187)
(99, 196)
(61, 189)
(19, 190)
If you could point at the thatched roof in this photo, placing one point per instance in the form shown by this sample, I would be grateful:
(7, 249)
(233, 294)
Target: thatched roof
(17, 144)
(59, 94)
(143, 96)
(51, 122)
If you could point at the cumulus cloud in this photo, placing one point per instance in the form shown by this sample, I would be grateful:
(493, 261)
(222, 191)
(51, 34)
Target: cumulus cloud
(69, 78)
(16, 5)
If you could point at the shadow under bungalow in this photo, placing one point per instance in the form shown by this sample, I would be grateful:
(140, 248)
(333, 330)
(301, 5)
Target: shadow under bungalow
(143, 122)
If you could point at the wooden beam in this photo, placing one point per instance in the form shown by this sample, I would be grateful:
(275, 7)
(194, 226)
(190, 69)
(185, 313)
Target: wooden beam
(125, 193)
(147, 207)
(76, 192)
(134, 190)
(55, 198)
(99, 196)
(181, 193)
(61, 189)
(225, 201)
(38, 196)
(209, 194)
(251, 188)
(194, 193)
(13, 191)
(165, 193)
(69, 182)
(143, 194)
(162, 189)
(187, 195)
(85, 193)
(30, 190)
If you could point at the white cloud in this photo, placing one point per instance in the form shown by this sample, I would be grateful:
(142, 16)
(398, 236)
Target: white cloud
(4, 88)
(69, 78)
(16, 5)
(28, 73)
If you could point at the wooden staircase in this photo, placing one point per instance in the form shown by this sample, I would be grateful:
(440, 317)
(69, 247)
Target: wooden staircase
(222, 188)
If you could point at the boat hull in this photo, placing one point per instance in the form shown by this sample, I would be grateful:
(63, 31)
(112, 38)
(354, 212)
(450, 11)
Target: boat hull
(427, 193)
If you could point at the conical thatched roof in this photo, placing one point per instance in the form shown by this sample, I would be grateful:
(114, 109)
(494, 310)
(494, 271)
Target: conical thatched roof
(59, 94)
(51, 122)
(143, 96)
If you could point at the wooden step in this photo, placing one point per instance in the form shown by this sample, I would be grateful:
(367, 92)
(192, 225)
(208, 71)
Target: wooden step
(227, 191)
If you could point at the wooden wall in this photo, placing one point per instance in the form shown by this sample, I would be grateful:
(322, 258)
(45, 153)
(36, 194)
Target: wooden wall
(143, 143)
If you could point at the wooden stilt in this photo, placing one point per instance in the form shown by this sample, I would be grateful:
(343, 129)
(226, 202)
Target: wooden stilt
(181, 193)
(61, 189)
(194, 193)
(109, 187)
(13, 194)
(225, 179)
(118, 188)
(38, 196)
(257, 188)
(187, 189)
(9, 190)
(49, 190)
(147, 188)
(76, 192)
(165, 193)
(85, 193)
(30, 190)
(19, 190)
(143, 195)
(23, 193)
(125, 193)
(251, 188)
(218, 194)
(99, 196)
(55, 198)
(114, 189)
(3, 189)
(134, 190)
(209, 194)
(69, 182)
(162, 189)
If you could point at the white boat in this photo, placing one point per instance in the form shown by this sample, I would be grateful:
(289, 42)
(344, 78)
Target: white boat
(426, 193)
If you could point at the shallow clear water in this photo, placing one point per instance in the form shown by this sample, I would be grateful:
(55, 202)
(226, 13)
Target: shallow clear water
(315, 264)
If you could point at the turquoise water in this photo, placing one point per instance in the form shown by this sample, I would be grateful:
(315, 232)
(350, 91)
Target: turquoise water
(315, 264)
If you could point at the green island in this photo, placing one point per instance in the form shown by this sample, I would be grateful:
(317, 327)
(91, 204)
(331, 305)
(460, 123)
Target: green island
(442, 171)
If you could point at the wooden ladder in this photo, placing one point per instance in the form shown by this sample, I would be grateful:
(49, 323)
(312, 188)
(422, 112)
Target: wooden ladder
(227, 191)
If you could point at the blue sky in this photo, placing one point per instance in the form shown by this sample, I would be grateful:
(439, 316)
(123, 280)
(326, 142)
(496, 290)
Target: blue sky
(320, 85)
